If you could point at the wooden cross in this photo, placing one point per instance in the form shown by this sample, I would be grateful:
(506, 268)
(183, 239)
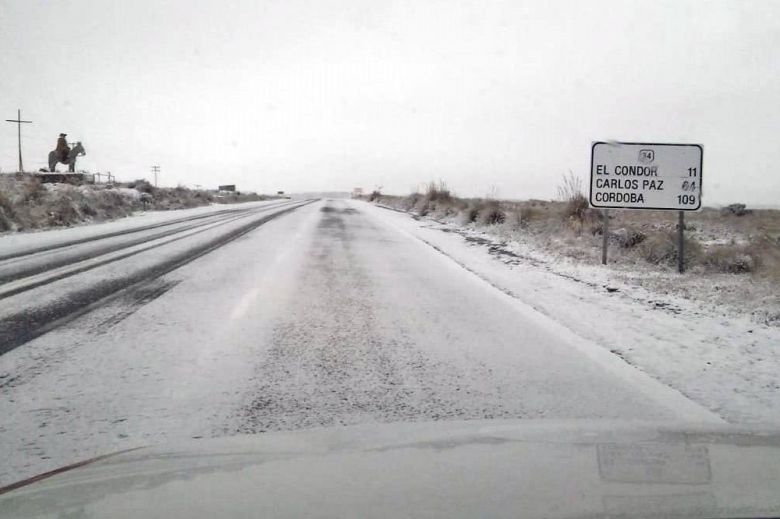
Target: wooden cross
(19, 122)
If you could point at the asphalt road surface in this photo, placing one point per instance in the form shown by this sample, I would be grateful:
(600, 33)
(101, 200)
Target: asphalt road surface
(275, 316)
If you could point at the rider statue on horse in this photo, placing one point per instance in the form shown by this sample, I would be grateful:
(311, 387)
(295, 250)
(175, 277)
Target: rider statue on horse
(63, 153)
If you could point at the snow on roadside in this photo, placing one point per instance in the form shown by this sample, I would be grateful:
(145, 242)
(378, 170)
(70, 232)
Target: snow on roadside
(713, 354)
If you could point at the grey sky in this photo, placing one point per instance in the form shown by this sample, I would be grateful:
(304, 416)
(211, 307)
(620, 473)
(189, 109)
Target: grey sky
(329, 95)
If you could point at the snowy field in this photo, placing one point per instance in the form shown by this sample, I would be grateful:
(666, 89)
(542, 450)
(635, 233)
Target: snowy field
(340, 312)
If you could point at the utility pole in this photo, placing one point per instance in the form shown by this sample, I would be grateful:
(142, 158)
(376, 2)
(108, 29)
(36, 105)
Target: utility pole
(155, 170)
(19, 122)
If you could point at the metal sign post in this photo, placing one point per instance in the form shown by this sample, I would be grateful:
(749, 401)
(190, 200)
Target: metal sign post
(605, 232)
(680, 242)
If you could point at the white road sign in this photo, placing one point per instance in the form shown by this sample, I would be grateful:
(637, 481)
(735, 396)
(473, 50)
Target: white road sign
(629, 175)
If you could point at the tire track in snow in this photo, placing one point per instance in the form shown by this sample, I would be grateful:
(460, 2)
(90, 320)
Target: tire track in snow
(58, 271)
(70, 243)
(25, 325)
(21, 265)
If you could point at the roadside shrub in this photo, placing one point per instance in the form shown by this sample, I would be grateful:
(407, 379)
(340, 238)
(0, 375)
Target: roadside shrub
(731, 259)
(111, 204)
(63, 212)
(32, 191)
(661, 249)
(87, 209)
(5, 202)
(490, 213)
(142, 185)
(761, 253)
(514, 220)
(182, 198)
(626, 238)
(375, 194)
(422, 206)
(437, 197)
(528, 214)
(597, 229)
(5, 223)
(577, 208)
(570, 192)
(408, 203)
(516, 216)
(6, 213)
(767, 251)
(26, 203)
(737, 209)
(452, 209)
(438, 192)
(482, 212)
(204, 196)
(469, 213)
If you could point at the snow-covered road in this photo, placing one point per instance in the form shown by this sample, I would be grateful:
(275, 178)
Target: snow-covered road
(48, 282)
(272, 317)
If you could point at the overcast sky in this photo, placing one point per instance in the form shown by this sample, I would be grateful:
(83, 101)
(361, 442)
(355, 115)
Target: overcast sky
(329, 95)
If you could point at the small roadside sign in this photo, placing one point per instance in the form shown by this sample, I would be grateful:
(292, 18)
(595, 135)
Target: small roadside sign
(631, 175)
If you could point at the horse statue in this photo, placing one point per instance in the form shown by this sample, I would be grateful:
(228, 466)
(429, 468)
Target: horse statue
(76, 151)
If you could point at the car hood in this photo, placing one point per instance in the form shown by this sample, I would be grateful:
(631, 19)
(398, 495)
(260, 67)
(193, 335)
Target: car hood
(442, 469)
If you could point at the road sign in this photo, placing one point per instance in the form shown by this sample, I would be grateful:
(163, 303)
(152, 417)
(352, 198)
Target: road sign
(631, 175)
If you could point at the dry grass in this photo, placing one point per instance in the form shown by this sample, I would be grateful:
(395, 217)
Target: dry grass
(570, 193)
(733, 259)
(732, 255)
(436, 200)
(7, 213)
(27, 204)
(490, 213)
(660, 248)
(733, 240)
(759, 255)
